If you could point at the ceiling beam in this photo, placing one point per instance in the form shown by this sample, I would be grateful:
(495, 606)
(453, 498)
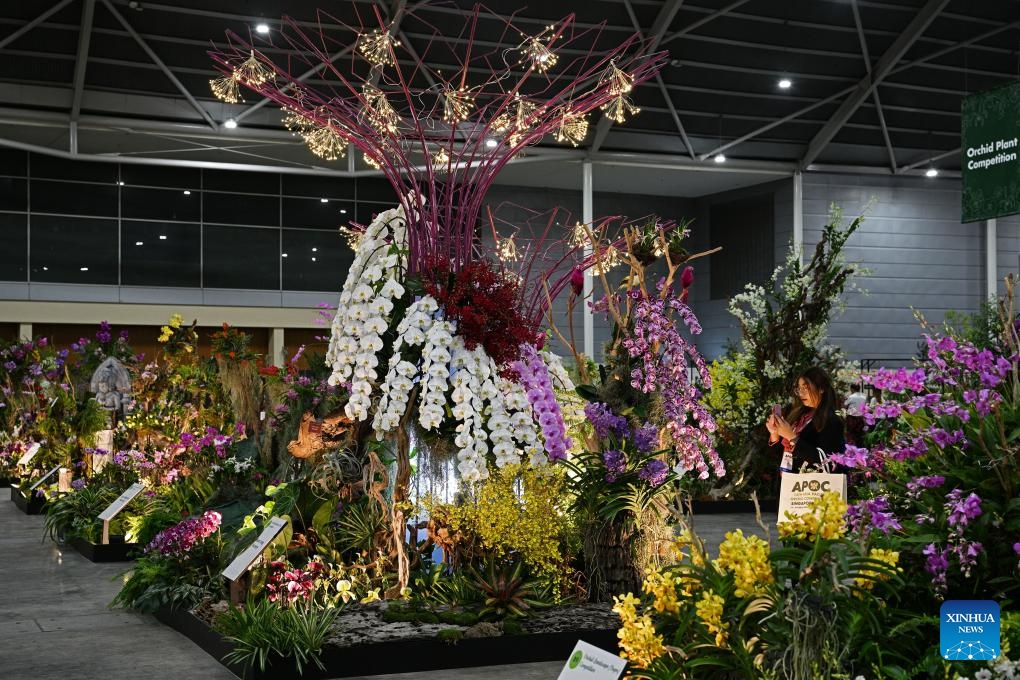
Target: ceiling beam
(88, 9)
(867, 85)
(34, 22)
(162, 67)
(878, 102)
(654, 38)
(704, 20)
(932, 159)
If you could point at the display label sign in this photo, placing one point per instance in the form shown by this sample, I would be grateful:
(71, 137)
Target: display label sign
(990, 167)
(30, 454)
(122, 500)
(44, 478)
(798, 491)
(244, 561)
(591, 663)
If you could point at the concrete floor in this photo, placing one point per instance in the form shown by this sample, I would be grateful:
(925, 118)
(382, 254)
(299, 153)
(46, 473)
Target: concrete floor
(54, 620)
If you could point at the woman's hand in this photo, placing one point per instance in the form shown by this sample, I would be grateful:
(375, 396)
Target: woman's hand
(781, 428)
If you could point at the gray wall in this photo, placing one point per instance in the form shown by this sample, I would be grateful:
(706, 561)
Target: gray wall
(919, 255)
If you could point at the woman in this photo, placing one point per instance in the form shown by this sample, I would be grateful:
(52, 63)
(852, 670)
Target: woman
(811, 424)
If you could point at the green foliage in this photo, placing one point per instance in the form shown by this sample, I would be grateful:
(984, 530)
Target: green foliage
(154, 584)
(264, 633)
(357, 527)
(783, 329)
(984, 328)
(450, 635)
(75, 514)
(506, 590)
(436, 584)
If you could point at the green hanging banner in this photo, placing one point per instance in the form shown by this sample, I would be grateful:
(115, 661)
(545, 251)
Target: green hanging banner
(990, 167)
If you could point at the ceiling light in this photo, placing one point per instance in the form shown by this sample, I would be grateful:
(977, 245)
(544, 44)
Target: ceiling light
(284, 255)
(315, 250)
(162, 237)
(187, 192)
(84, 269)
(139, 243)
(120, 183)
(343, 211)
(785, 84)
(45, 269)
(491, 143)
(931, 172)
(719, 158)
(323, 200)
(230, 123)
(313, 259)
(262, 29)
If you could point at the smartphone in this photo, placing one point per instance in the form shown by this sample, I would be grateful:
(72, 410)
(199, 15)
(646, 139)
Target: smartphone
(777, 410)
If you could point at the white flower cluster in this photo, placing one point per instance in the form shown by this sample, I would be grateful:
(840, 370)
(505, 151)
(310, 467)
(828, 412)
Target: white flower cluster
(231, 465)
(366, 304)
(487, 408)
(560, 378)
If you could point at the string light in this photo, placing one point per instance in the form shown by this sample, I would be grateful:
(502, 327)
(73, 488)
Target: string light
(440, 160)
(515, 121)
(377, 47)
(607, 259)
(326, 143)
(506, 249)
(573, 128)
(457, 105)
(383, 117)
(253, 72)
(225, 88)
(620, 84)
(536, 50)
(351, 236)
(579, 236)
(371, 161)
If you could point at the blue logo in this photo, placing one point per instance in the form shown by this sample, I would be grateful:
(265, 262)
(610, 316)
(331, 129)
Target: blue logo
(969, 630)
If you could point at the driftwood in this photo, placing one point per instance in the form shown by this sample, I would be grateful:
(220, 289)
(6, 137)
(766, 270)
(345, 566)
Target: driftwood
(315, 436)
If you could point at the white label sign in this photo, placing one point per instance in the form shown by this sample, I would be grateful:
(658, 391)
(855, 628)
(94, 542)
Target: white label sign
(122, 500)
(44, 478)
(244, 561)
(591, 663)
(30, 454)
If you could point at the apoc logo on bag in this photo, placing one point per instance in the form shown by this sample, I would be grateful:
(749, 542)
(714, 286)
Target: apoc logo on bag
(969, 630)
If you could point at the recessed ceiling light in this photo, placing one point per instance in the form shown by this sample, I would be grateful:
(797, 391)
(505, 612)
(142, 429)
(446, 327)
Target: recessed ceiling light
(187, 192)
(262, 29)
(284, 255)
(45, 269)
(230, 123)
(84, 269)
(120, 183)
(323, 200)
(719, 158)
(785, 84)
(491, 143)
(315, 250)
(162, 237)
(931, 172)
(343, 211)
(313, 259)
(139, 243)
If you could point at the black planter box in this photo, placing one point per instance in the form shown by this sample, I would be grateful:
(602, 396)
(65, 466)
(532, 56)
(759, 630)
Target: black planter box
(399, 656)
(7, 481)
(30, 505)
(116, 551)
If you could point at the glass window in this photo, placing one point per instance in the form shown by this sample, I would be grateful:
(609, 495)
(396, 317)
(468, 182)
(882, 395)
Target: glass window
(313, 213)
(237, 257)
(72, 198)
(13, 247)
(160, 254)
(376, 189)
(74, 250)
(161, 176)
(160, 204)
(13, 194)
(238, 209)
(316, 260)
(13, 162)
(53, 167)
(245, 182)
(366, 212)
(318, 187)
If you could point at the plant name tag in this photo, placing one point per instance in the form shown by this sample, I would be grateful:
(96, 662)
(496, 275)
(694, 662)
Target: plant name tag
(122, 500)
(591, 663)
(44, 478)
(243, 562)
(30, 454)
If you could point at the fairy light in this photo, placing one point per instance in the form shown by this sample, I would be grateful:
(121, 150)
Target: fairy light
(440, 160)
(297, 122)
(253, 72)
(506, 249)
(326, 143)
(619, 86)
(606, 260)
(536, 50)
(225, 88)
(383, 117)
(579, 236)
(457, 105)
(573, 128)
(377, 47)
(514, 122)
(351, 236)
(371, 161)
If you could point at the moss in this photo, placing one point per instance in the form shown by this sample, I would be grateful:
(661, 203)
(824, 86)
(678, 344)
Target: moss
(458, 618)
(450, 635)
(394, 615)
(512, 627)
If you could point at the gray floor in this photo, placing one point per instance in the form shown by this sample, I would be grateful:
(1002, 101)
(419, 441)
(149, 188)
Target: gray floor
(54, 620)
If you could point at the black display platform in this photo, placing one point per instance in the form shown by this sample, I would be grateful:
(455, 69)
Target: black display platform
(30, 505)
(400, 656)
(115, 551)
